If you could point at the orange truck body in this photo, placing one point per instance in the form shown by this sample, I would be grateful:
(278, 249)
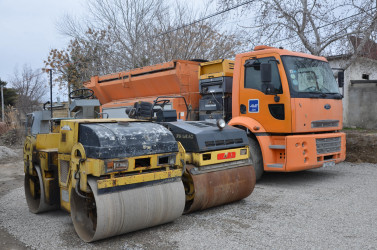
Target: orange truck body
(287, 145)
(291, 144)
(176, 78)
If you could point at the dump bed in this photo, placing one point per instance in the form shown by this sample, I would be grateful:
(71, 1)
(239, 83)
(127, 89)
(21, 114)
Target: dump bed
(118, 90)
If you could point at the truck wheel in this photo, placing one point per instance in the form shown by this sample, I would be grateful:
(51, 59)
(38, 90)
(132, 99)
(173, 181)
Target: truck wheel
(256, 157)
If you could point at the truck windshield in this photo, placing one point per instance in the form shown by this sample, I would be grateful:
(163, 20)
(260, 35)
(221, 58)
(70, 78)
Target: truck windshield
(310, 78)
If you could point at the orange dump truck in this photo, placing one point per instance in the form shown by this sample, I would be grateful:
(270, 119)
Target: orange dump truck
(288, 102)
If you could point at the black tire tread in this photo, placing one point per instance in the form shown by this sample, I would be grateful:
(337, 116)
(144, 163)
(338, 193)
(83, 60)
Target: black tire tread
(256, 157)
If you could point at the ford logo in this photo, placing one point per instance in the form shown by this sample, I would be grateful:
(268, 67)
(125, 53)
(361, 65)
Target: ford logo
(327, 106)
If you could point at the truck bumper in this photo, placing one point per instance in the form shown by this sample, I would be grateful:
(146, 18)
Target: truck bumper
(304, 152)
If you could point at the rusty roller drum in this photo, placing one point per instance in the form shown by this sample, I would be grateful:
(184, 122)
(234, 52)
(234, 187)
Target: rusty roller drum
(115, 213)
(220, 187)
(35, 196)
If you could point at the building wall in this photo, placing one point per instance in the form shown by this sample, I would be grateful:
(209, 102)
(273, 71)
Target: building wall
(362, 109)
(360, 100)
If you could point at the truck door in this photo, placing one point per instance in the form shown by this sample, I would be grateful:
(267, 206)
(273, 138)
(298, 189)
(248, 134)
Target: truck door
(270, 108)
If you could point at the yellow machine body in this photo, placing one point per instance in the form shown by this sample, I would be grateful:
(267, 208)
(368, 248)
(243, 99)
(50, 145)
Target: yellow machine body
(57, 168)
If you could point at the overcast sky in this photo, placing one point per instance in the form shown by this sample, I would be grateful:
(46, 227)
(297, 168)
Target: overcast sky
(28, 31)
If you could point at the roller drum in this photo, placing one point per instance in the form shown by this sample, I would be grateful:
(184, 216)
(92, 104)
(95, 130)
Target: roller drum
(35, 199)
(119, 212)
(221, 187)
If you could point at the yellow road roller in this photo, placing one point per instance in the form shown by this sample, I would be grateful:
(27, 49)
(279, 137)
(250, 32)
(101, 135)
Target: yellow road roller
(218, 169)
(120, 175)
(113, 176)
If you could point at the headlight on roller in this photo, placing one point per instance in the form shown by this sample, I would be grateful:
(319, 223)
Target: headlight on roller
(121, 165)
(220, 124)
(117, 165)
(243, 151)
(166, 159)
(172, 159)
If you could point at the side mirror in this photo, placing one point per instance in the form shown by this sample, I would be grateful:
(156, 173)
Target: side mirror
(341, 79)
(268, 89)
(266, 74)
(252, 63)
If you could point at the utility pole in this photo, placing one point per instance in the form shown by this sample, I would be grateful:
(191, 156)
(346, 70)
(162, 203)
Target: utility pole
(69, 91)
(2, 103)
(51, 97)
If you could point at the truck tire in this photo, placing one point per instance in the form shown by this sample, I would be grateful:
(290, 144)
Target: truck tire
(256, 157)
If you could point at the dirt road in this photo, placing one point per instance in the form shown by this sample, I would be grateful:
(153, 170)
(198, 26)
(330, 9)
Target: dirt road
(11, 177)
(322, 208)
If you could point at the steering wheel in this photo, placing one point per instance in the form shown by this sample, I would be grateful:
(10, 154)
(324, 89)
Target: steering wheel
(161, 102)
(81, 94)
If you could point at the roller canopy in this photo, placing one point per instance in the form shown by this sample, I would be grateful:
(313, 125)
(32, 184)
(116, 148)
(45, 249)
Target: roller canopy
(118, 140)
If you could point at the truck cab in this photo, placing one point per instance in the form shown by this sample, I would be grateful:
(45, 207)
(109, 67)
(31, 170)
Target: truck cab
(290, 105)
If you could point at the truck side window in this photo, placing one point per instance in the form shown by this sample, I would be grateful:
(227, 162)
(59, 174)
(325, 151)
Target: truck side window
(253, 75)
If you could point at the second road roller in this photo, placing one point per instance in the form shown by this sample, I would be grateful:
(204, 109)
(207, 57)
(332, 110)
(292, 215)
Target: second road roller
(121, 175)
(217, 169)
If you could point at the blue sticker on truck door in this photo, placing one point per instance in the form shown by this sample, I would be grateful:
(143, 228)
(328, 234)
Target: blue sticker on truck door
(253, 105)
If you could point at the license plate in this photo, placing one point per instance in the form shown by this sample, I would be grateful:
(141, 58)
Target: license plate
(328, 164)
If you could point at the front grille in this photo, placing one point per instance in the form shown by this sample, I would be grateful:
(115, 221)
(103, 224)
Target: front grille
(325, 123)
(328, 145)
(202, 124)
(64, 167)
(223, 142)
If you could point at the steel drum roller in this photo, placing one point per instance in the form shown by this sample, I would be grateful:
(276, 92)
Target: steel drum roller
(220, 187)
(119, 212)
(36, 199)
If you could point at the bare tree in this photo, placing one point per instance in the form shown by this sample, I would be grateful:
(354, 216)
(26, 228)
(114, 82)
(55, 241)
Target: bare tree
(127, 23)
(123, 34)
(179, 36)
(87, 55)
(319, 27)
(30, 87)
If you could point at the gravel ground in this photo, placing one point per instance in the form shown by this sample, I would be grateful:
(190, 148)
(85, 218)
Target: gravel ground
(322, 208)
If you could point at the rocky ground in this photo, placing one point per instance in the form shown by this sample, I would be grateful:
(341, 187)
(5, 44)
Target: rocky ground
(322, 208)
